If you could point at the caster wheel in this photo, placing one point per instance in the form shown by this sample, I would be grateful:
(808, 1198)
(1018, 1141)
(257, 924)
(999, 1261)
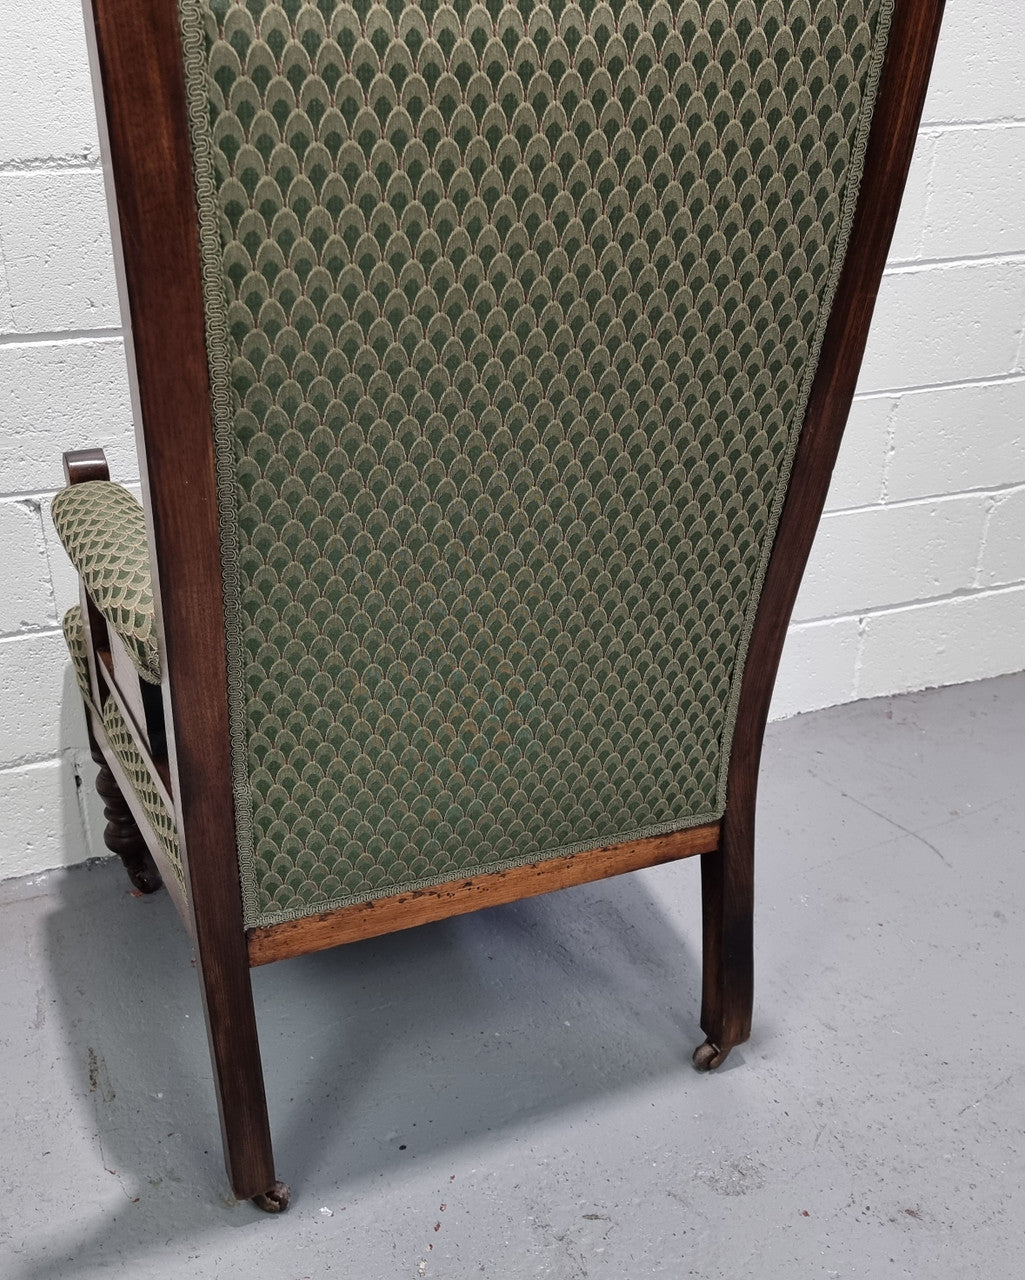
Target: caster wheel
(275, 1199)
(146, 879)
(708, 1056)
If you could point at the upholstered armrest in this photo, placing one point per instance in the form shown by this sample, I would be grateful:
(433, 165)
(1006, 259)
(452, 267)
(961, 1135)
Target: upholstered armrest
(74, 638)
(103, 531)
(124, 746)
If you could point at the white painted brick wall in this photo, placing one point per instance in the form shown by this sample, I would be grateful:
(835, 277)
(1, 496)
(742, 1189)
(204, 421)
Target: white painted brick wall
(892, 555)
(952, 439)
(47, 116)
(62, 385)
(918, 574)
(928, 497)
(934, 643)
(53, 394)
(1002, 559)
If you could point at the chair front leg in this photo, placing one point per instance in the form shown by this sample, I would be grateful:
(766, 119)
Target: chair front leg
(121, 834)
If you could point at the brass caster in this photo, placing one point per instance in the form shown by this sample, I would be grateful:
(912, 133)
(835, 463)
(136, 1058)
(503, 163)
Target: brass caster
(275, 1199)
(708, 1056)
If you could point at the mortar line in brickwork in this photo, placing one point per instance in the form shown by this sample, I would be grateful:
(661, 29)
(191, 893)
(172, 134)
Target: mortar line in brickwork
(989, 380)
(31, 762)
(933, 127)
(1019, 358)
(52, 603)
(930, 191)
(26, 766)
(930, 499)
(891, 450)
(925, 158)
(907, 266)
(44, 495)
(49, 164)
(877, 610)
(5, 279)
(31, 633)
(56, 336)
(980, 558)
(35, 505)
(859, 657)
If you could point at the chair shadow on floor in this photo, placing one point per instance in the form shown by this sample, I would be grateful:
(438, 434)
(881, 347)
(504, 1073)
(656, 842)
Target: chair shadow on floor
(400, 1048)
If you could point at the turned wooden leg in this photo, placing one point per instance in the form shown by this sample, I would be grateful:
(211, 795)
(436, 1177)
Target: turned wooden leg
(122, 835)
(727, 899)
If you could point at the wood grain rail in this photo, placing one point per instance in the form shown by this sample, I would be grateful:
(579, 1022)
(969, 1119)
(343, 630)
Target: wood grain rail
(456, 897)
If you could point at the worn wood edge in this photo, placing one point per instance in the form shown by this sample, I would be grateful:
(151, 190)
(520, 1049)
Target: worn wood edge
(136, 60)
(167, 871)
(136, 57)
(457, 897)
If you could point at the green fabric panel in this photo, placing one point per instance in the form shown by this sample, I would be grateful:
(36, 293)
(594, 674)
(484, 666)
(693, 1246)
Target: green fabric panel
(123, 745)
(512, 317)
(74, 637)
(103, 530)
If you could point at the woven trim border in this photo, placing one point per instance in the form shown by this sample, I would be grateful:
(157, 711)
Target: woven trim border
(850, 204)
(218, 355)
(222, 415)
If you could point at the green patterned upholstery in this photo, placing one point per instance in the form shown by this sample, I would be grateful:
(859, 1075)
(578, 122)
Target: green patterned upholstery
(103, 530)
(512, 315)
(123, 744)
(74, 638)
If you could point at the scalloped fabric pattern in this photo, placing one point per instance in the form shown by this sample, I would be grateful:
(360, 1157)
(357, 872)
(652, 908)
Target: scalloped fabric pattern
(73, 627)
(103, 530)
(514, 308)
(123, 744)
(120, 738)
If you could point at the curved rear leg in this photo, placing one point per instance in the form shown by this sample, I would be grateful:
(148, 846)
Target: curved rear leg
(727, 898)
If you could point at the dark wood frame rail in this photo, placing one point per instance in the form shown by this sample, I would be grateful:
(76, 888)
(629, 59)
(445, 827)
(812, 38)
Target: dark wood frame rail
(136, 52)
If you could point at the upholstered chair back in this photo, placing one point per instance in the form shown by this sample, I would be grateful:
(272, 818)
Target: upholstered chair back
(512, 314)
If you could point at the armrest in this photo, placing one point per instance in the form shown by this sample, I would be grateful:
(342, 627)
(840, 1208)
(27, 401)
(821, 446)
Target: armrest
(124, 746)
(103, 530)
(74, 638)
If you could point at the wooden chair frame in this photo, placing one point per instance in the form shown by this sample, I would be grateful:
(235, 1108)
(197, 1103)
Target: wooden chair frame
(135, 49)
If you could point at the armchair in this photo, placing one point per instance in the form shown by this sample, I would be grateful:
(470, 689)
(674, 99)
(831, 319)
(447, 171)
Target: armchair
(490, 363)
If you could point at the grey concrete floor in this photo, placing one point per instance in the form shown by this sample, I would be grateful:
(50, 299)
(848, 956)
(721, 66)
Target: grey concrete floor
(509, 1094)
